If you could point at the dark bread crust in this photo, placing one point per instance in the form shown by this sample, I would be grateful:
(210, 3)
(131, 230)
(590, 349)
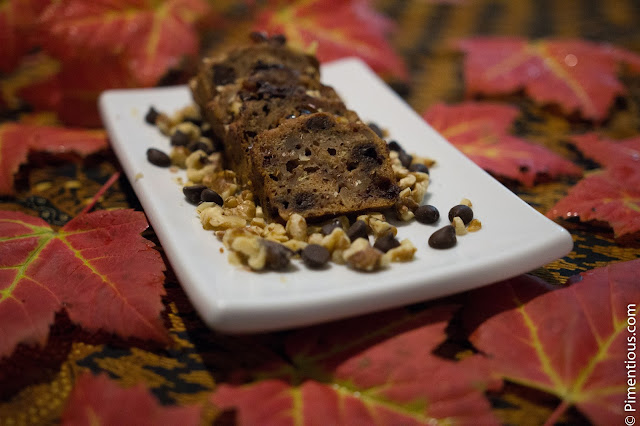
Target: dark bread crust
(319, 166)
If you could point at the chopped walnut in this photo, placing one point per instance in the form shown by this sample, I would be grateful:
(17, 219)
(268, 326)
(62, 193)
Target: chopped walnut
(230, 235)
(223, 182)
(407, 181)
(187, 128)
(458, 224)
(419, 190)
(295, 245)
(297, 227)
(380, 227)
(234, 258)
(336, 243)
(276, 232)
(214, 217)
(361, 256)
(198, 175)
(466, 202)
(423, 160)
(399, 170)
(187, 114)
(179, 156)
(164, 123)
(196, 160)
(474, 225)
(259, 212)
(235, 106)
(420, 177)
(237, 205)
(403, 253)
(366, 218)
(405, 206)
(403, 212)
(258, 222)
(251, 252)
(315, 238)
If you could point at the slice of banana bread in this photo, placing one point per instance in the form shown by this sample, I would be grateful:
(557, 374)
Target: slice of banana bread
(263, 54)
(259, 114)
(262, 87)
(319, 165)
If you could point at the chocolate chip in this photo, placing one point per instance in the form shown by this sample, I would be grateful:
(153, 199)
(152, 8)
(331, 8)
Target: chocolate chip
(376, 129)
(151, 116)
(386, 242)
(329, 227)
(319, 122)
(203, 144)
(279, 39)
(258, 36)
(357, 230)
(193, 193)
(179, 139)
(427, 214)
(315, 256)
(207, 132)
(278, 256)
(223, 74)
(405, 159)
(267, 90)
(395, 146)
(304, 201)
(158, 158)
(443, 238)
(418, 167)
(208, 195)
(463, 212)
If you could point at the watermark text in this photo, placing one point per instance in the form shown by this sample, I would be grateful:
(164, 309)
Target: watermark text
(630, 365)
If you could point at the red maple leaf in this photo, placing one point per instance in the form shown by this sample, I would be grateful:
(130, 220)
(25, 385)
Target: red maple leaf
(148, 37)
(97, 267)
(577, 75)
(17, 21)
(341, 28)
(572, 342)
(609, 152)
(377, 369)
(17, 140)
(480, 130)
(611, 196)
(35, 82)
(69, 88)
(98, 400)
(80, 88)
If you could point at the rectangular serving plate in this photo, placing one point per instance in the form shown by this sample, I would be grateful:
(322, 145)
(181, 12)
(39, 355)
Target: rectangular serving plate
(514, 238)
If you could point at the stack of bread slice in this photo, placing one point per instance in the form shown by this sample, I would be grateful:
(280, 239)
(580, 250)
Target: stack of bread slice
(288, 137)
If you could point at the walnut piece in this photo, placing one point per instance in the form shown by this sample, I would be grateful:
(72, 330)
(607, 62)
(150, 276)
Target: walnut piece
(361, 256)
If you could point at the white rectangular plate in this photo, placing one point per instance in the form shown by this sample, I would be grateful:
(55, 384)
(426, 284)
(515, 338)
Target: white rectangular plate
(514, 237)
